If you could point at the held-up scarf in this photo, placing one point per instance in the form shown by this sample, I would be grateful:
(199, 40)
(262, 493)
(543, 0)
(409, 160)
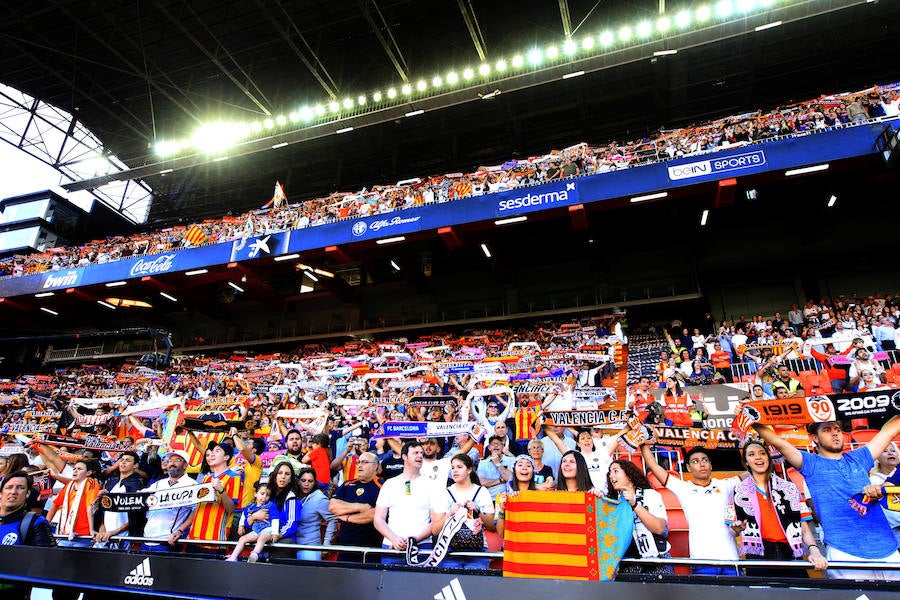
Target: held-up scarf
(84, 496)
(785, 498)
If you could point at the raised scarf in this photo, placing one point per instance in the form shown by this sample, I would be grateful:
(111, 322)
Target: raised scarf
(785, 498)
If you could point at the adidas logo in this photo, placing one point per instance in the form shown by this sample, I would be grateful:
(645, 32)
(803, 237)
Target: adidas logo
(140, 575)
(453, 591)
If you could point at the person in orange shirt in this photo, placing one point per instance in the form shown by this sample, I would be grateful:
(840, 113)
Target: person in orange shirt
(318, 458)
(721, 362)
(73, 503)
(677, 404)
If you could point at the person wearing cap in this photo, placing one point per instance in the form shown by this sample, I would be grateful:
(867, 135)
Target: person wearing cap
(704, 501)
(833, 476)
(163, 523)
(210, 520)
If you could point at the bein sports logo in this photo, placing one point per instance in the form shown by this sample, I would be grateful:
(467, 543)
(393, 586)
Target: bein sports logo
(538, 199)
(140, 575)
(712, 166)
(160, 264)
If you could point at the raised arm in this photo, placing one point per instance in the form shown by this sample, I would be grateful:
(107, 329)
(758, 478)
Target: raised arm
(881, 440)
(791, 454)
(650, 462)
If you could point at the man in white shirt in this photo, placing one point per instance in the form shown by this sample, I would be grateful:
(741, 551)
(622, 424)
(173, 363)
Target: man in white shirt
(161, 524)
(703, 502)
(403, 508)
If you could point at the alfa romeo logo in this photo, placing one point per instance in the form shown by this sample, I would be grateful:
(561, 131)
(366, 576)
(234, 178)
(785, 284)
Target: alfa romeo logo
(359, 228)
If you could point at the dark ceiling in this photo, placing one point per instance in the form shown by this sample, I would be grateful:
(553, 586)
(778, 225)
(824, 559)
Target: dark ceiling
(135, 72)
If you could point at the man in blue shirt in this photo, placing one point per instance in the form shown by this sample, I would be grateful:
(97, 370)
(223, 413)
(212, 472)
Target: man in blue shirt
(19, 526)
(833, 477)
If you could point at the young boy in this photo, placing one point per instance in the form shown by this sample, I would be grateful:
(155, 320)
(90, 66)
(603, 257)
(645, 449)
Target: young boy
(261, 533)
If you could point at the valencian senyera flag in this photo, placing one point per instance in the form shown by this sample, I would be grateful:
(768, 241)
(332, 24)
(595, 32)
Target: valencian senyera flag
(565, 535)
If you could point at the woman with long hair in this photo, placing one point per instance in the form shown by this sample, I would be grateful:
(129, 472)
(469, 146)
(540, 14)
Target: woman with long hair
(315, 511)
(466, 493)
(524, 474)
(627, 482)
(74, 503)
(597, 453)
(283, 492)
(573, 473)
(677, 404)
(771, 517)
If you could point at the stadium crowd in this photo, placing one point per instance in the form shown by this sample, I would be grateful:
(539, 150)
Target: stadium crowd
(820, 114)
(388, 444)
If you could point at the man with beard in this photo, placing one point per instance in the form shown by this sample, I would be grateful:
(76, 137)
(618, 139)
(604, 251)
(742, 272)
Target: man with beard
(163, 523)
(833, 477)
(403, 508)
(434, 468)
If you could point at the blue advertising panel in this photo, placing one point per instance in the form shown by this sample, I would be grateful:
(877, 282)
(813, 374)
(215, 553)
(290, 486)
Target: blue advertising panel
(778, 155)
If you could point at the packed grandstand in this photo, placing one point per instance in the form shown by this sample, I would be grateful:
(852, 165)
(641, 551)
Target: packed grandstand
(495, 396)
(824, 113)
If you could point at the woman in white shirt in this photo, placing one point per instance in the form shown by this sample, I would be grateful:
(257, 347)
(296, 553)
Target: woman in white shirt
(628, 483)
(466, 493)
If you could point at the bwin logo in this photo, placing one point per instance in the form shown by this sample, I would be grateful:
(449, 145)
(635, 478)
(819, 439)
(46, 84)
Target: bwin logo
(453, 591)
(70, 278)
(140, 575)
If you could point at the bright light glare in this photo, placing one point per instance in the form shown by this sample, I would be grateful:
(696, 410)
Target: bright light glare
(406, 89)
(746, 5)
(683, 19)
(334, 106)
(348, 103)
(452, 77)
(294, 116)
(587, 43)
(703, 13)
(569, 47)
(255, 126)
(535, 57)
(518, 61)
(501, 65)
(376, 97)
(421, 85)
(361, 100)
(392, 93)
(484, 70)
(552, 52)
(217, 136)
(663, 24)
(607, 38)
(724, 8)
(320, 110)
(281, 120)
(437, 81)
(644, 29)
(468, 74)
(269, 124)
(625, 34)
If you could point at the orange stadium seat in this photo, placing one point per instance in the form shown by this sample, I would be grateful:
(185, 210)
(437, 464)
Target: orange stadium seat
(669, 500)
(680, 549)
(677, 520)
(863, 436)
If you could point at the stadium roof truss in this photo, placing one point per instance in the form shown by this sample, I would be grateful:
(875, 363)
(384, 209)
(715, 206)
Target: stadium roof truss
(57, 138)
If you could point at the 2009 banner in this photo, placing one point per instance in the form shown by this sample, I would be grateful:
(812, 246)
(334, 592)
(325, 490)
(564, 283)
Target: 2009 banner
(820, 409)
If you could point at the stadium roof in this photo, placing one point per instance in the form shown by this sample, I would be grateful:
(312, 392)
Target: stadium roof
(139, 73)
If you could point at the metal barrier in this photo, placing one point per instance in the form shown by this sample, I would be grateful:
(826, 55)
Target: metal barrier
(689, 562)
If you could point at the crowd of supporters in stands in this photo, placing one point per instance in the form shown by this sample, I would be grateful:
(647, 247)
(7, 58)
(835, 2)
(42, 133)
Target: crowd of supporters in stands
(306, 454)
(820, 114)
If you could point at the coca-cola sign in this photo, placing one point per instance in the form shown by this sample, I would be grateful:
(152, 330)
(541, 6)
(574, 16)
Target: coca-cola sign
(151, 266)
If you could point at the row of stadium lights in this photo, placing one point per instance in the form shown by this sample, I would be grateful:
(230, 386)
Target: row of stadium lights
(216, 137)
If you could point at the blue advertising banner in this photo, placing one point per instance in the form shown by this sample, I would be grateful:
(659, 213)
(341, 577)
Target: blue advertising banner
(778, 155)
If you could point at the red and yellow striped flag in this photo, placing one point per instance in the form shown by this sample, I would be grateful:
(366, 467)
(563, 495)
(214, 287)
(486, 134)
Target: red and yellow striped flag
(195, 235)
(565, 535)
